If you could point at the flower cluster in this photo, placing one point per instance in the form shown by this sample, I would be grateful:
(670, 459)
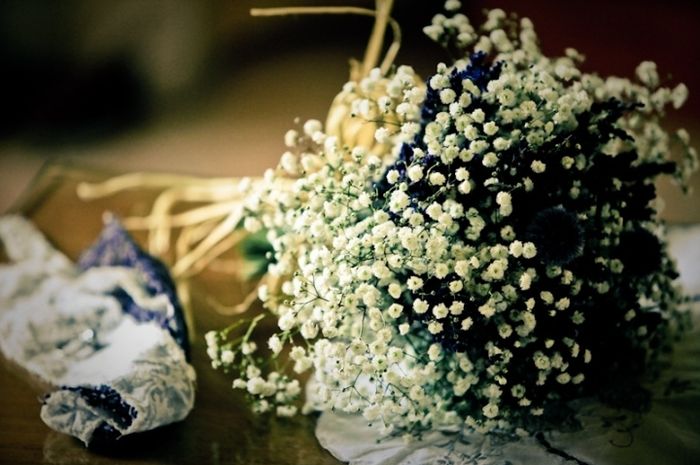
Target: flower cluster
(490, 253)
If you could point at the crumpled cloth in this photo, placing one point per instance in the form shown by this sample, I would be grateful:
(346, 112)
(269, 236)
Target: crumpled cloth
(108, 334)
(668, 434)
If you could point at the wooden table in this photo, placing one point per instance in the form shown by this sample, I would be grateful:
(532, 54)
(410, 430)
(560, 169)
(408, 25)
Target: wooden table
(220, 430)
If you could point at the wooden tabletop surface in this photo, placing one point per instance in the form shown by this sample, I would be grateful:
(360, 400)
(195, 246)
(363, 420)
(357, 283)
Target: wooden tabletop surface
(220, 429)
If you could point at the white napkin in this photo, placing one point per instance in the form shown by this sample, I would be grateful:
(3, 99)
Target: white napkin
(109, 344)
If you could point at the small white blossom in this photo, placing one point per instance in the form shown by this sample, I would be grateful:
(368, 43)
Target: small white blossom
(420, 306)
(415, 173)
(275, 344)
(503, 199)
(434, 352)
(466, 323)
(456, 308)
(537, 166)
(490, 410)
(435, 327)
(529, 250)
(436, 179)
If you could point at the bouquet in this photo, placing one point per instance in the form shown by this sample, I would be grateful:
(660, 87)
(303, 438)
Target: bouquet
(470, 251)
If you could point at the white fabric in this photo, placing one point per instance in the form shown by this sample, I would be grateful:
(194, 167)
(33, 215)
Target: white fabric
(668, 434)
(65, 327)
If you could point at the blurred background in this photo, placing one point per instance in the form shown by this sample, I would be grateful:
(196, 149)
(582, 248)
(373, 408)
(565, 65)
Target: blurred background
(200, 87)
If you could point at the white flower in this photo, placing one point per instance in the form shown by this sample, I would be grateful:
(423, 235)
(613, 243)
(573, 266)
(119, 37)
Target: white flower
(436, 179)
(447, 96)
(227, 356)
(414, 283)
(392, 176)
(248, 348)
(275, 344)
(434, 210)
(456, 286)
(399, 201)
(456, 308)
(256, 385)
(416, 393)
(678, 96)
(252, 224)
(297, 353)
(440, 311)
(462, 174)
(286, 410)
(547, 297)
(291, 137)
(505, 331)
(415, 173)
(487, 309)
(537, 166)
(452, 5)
(441, 270)
(471, 132)
(500, 144)
(490, 128)
(286, 321)
(420, 306)
(382, 135)
(252, 371)
(563, 303)
(466, 324)
(515, 248)
(394, 290)
(302, 365)
(435, 327)
(439, 81)
(525, 281)
(647, 74)
(490, 410)
(309, 330)
(434, 352)
(293, 388)
(490, 160)
(496, 270)
(462, 268)
(503, 199)
(312, 126)
(529, 250)
(541, 361)
(395, 310)
(211, 338)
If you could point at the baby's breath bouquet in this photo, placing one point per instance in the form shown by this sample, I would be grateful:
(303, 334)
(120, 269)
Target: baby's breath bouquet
(472, 251)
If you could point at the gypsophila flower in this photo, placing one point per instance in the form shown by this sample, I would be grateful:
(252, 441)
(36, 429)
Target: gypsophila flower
(537, 166)
(465, 250)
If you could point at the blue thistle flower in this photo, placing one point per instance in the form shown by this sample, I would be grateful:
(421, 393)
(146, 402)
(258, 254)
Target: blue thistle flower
(557, 234)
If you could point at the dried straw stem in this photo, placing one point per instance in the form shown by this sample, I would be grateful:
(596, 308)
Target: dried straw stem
(374, 46)
(140, 180)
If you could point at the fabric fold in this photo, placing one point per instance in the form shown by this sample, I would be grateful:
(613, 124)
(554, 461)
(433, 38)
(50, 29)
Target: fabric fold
(109, 334)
